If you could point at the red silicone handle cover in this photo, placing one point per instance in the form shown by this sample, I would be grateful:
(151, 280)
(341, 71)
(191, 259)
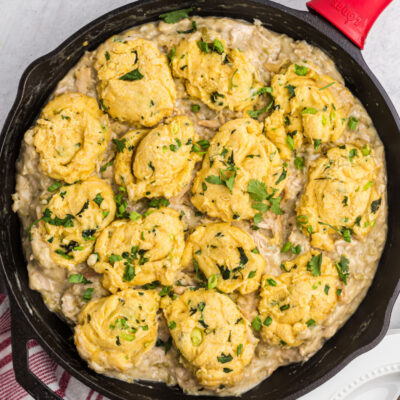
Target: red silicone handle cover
(353, 17)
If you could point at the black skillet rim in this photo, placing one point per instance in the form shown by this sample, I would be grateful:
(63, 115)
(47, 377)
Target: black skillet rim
(308, 18)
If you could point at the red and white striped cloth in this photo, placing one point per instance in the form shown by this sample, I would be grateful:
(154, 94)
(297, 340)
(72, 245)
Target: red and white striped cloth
(57, 379)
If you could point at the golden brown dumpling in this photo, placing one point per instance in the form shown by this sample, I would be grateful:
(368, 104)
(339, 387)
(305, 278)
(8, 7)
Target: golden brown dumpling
(135, 82)
(73, 219)
(219, 76)
(306, 104)
(242, 173)
(228, 253)
(115, 332)
(213, 337)
(298, 299)
(133, 253)
(70, 136)
(159, 163)
(340, 197)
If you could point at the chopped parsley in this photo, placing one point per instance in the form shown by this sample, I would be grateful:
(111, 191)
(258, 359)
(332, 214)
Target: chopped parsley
(171, 55)
(159, 202)
(175, 16)
(201, 146)
(282, 176)
(66, 222)
(223, 358)
(256, 113)
(175, 147)
(129, 272)
(310, 322)
(299, 163)
(252, 274)
(78, 278)
(375, 205)
(113, 258)
(98, 199)
(54, 186)
(214, 98)
(326, 289)
(256, 324)
(291, 90)
(267, 321)
(271, 282)
(195, 108)
(133, 75)
(106, 165)
(87, 296)
(172, 325)
(300, 70)
(88, 234)
(342, 268)
(317, 142)
(243, 258)
(203, 46)
(290, 142)
(167, 344)
(314, 265)
(257, 190)
(120, 144)
(218, 47)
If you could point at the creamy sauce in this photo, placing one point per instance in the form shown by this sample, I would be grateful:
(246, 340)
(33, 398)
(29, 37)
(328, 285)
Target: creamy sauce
(268, 52)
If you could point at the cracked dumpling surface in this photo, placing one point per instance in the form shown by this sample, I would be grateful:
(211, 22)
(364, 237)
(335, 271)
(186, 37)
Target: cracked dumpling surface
(133, 253)
(340, 197)
(159, 163)
(135, 82)
(306, 105)
(212, 335)
(241, 170)
(228, 252)
(115, 332)
(70, 136)
(219, 76)
(73, 219)
(299, 299)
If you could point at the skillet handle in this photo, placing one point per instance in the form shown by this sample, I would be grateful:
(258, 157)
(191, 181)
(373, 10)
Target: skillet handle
(21, 335)
(353, 17)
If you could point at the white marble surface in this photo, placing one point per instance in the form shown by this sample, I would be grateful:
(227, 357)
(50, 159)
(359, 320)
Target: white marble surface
(31, 28)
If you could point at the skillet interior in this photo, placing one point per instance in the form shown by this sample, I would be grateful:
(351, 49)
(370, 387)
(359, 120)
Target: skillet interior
(363, 330)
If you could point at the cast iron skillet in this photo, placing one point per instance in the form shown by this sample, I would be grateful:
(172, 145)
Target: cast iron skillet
(30, 317)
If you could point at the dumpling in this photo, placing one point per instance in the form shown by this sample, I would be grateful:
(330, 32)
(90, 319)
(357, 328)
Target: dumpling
(133, 253)
(308, 105)
(135, 83)
(298, 299)
(70, 136)
(228, 253)
(211, 334)
(219, 76)
(114, 333)
(340, 198)
(242, 173)
(73, 219)
(158, 163)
